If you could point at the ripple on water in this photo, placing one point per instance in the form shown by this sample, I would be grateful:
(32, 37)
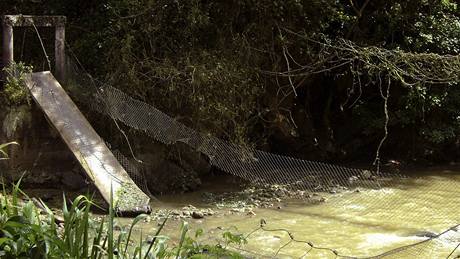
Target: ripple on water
(386, 240)
(365, 223)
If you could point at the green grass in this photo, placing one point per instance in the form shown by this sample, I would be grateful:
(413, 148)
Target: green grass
(3, 154)
(31, 230)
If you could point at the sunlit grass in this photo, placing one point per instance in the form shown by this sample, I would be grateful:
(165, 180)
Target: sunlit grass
(30, 230)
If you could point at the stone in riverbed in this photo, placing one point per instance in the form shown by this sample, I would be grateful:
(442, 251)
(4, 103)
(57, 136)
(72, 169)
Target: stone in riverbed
(427, 234)
(197, 215)
(237, 210)
(149, 240)
(189, 207)
(251, 213)
(176, 213)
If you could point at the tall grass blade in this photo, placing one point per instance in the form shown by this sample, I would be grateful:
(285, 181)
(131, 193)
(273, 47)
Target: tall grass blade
(97, 240)
(103, 248)
(140, 246)
(6, 204)
(15, 194)
(110, 228)
(156, 235)
(2, 149)
(135, 221)
(184, 230)
(86, 222)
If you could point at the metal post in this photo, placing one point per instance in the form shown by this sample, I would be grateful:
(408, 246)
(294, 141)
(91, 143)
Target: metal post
(59, 51)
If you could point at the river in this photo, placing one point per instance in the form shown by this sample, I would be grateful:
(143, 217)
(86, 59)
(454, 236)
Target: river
(364, 223)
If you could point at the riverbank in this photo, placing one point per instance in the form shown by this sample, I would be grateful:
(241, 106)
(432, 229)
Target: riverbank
(364, 223)
(30, 229)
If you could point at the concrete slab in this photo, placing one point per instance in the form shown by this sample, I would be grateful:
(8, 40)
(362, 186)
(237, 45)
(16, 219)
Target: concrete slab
(90, 150)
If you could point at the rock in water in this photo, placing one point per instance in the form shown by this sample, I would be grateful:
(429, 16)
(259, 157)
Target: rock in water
(427, 234)
(197, 215)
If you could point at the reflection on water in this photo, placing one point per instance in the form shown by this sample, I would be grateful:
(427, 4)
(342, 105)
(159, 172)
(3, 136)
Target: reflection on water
(364, 223)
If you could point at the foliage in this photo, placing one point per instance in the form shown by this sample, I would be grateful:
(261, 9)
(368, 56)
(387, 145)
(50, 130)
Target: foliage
(211, 64)
(419, 25)
(3, 153)
(16, 92)
(193, 58)
(190, 248)
(28, 231)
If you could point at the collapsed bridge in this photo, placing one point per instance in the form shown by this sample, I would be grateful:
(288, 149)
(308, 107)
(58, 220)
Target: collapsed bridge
(126, 186)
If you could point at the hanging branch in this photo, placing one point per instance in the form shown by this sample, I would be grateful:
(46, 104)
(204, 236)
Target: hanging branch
(387, 120)
(359, 12)
(408, 68)
(405, 67)
(287, 64)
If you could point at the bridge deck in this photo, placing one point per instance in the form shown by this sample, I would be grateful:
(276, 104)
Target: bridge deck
(97, 160)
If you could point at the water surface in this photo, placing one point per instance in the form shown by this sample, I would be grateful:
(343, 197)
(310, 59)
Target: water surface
(364, 223)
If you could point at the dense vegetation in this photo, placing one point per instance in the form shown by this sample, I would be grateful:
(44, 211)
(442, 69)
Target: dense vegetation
(307, 78)
(221, 66)
(30, 229)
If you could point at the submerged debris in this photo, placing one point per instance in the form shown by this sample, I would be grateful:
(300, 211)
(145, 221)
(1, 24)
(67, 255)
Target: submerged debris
(267, 196)
(186, 212)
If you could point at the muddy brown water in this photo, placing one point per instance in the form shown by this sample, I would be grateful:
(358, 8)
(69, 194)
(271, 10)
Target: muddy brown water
(366, 223)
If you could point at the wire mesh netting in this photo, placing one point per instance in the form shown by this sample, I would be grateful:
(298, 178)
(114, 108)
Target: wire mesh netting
(264, 168)
(433, 247)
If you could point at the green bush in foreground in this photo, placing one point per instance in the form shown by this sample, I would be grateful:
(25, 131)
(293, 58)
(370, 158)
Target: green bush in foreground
(32, 230)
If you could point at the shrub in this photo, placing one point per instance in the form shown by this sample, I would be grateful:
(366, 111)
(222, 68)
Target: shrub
(31, 230)
(15, 92)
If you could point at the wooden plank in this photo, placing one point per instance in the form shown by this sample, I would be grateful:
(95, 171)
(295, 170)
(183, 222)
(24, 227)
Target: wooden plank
(30, 20)
(90, 150)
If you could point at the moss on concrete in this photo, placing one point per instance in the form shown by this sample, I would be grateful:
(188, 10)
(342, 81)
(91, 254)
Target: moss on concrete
(130, 200)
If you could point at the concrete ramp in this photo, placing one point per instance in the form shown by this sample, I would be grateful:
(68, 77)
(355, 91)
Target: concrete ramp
(97, 160)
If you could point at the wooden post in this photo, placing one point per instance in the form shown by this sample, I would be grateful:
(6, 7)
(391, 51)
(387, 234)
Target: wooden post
(8, 55)
(10, 21)
(59, 51)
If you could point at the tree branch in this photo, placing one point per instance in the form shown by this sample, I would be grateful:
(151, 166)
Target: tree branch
(363, 7)
(359, 12)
